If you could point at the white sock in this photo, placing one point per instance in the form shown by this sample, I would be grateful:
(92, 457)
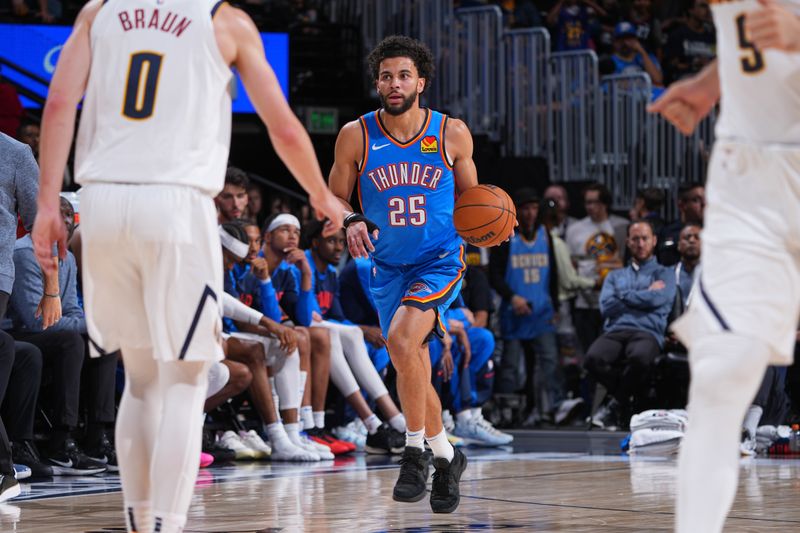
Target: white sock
(275, 399)
(319, 419)
(292, 430)
(303, 378)
(440, 446)
(464, 417)
(373, 423)
(276, 432)
(168, 522)
(307, 416)
(415, 439)
(726, 370)
(752, 419)
(139, 516)
(398, 422)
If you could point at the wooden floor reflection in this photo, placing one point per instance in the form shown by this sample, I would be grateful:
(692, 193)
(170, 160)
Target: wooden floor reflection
(500, 492)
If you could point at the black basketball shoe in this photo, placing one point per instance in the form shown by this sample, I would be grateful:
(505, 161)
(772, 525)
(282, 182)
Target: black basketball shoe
(445, 495)
(413, 478)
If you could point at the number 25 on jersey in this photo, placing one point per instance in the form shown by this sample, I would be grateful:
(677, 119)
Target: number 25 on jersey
(142, 85)
(410, 211)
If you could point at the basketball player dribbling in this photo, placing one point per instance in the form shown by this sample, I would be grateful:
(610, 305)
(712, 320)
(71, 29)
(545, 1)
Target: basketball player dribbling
(745, 306)
(408, 163)
(151, 154)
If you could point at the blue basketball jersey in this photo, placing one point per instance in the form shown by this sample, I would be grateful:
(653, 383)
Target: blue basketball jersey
(408, 190)
(528, 274)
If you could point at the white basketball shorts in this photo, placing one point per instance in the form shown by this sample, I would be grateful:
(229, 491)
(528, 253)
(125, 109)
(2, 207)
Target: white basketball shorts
(152, 270)
(750, 279)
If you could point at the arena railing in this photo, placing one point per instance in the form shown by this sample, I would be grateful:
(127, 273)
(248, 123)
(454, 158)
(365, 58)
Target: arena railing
(574, 124)
(621, 146)
(527, 102)
(481, 89)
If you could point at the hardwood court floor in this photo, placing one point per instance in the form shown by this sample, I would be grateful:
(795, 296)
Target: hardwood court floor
(501, 491)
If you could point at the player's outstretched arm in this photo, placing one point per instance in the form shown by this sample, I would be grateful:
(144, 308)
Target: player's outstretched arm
(343, 178)
(688, 102)
(241, 46)
(773, 26)
(58, 128)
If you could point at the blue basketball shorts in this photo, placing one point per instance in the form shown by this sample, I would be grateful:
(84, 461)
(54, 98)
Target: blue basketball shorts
(433, 284)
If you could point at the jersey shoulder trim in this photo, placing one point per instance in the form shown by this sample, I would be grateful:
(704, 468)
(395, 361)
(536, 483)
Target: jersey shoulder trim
(426, 123)
(361, 165)
(216, 7)
(442, 134)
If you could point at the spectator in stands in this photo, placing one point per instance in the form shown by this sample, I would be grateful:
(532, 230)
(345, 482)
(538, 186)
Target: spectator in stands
(770, 407)
(689, 245)
(647, 206)
(571, 23)
(648, 28)
(692, 45)
(10, 108)
(523, 272)
(22, 8)
(691, 207)
(255, 204)
(594, 243)
(232, 200)
(569, 282)
(520, 14)
(635, 302)
(28, 133)
(63, 347)
(559, 195)
(607, 23)
(630, 56)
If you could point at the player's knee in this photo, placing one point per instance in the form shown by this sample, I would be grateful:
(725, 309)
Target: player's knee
(240, 377)
(727, 366)
(320, 339)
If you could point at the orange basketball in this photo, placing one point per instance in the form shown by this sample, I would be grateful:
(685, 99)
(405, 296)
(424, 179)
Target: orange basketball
(484, 215)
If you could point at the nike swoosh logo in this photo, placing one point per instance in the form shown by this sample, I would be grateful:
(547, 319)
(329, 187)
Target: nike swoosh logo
(378, 147)
(68, 464)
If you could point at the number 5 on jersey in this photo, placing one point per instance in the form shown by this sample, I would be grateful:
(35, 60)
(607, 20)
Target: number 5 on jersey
(415, 216)
(142, 85)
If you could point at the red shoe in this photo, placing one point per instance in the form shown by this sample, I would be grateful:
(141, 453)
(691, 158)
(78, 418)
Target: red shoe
(338, 447)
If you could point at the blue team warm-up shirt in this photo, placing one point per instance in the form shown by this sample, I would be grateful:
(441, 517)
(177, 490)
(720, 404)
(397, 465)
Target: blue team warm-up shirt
(528, 274)
(408, 190)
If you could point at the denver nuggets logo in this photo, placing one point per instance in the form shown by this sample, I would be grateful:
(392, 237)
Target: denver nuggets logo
(429, 145)
(601, 246)
(418, 287)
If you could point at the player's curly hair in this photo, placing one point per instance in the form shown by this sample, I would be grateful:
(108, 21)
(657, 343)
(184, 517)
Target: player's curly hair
(402, 46)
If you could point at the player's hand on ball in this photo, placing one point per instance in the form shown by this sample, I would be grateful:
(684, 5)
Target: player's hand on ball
(773, 26)
(358, 240)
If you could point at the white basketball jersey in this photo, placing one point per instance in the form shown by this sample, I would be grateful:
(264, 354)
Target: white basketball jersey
(760, 89)
(157, 107)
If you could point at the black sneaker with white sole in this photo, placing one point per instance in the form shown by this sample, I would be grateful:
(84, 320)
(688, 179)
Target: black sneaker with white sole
(69, 460)
(385, 440)
(9, 487)
(25, 453)
(104, 452)
(445, 494)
